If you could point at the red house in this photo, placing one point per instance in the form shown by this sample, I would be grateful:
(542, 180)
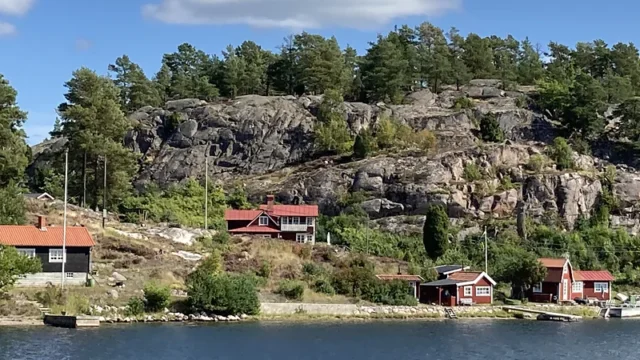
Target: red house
(557, 286)
(288, 222)
(592, 285)
(459, 288)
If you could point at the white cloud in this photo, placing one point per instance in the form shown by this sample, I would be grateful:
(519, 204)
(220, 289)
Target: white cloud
(7, 29)
(15, 7)
(297, 14)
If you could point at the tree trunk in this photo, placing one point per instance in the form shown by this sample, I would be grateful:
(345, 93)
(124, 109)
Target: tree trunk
(96, 185)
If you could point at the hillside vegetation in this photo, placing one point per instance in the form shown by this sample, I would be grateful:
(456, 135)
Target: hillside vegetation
(425, 126)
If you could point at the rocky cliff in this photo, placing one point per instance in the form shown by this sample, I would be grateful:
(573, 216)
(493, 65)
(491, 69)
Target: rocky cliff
(267, 144)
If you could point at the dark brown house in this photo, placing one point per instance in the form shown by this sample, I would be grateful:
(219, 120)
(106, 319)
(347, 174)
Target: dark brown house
(45, 242)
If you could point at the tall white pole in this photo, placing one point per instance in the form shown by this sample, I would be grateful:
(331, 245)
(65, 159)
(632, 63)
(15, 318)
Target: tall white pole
(485, 251)
(64, 221)
(206, 189)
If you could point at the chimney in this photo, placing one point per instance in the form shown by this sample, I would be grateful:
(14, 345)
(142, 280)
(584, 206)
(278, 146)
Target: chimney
(42, 222)
(270, 201)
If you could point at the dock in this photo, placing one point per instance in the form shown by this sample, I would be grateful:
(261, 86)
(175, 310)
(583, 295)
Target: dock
(72, 322)
(544, 315)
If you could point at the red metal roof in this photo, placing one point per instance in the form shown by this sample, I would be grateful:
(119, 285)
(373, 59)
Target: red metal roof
(400, 277)
(255, 229)
(600, 275)
(553, 263)
(291, 210)
(464, 275)
(15, 235)
(232, 214)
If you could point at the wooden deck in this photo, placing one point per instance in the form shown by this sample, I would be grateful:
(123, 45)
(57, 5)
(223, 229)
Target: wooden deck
(544, 315)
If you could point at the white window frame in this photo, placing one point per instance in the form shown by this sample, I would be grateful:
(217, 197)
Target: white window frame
(478, 288)
(537, 288)
(69, 275)
(295, 220)
(577, 287)
(468, 291)
(30, 253)
(301, 238)
(266, 236)
(601, 287)
(57, 256)
(263, 220)
(310, 221)
(309, 238)
(284, 220)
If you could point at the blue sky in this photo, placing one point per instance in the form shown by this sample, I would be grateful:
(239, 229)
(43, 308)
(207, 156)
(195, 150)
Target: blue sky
(43, 41)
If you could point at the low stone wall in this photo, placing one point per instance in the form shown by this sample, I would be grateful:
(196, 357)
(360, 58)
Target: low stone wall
(409, 311)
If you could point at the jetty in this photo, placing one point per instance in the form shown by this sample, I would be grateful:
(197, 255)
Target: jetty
(544, 315)
(72, 322)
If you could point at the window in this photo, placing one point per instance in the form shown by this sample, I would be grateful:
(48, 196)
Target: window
(30, 253)
(468, 291)
(537, 288)
(565, 269)
(483, 290)
(285, 220)
(601, 287)
(310, 221)
(577, 287)
(69, 275)
(300, 238)
(296, 220)
(266, 236)
(309, 238)
(56, 256)
(263, 221)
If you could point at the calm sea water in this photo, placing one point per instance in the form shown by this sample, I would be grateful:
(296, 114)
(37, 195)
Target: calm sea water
(468, 340)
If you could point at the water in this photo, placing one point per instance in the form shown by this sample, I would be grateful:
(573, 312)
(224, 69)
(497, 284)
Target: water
(468, 340)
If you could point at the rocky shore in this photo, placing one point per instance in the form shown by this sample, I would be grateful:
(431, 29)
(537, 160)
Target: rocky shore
(115, 314)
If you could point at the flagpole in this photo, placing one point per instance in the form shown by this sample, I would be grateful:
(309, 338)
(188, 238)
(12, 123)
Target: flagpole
(64, 221)
(485, 251)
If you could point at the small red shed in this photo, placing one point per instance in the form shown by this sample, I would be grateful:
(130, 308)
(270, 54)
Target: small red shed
(557, 285)
(459, 288)
(593, 284)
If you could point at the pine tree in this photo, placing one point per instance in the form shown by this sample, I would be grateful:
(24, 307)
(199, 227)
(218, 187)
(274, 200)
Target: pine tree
(234, 72)
(478, 57)
(13, 148)
(434, 56)
(459, 71)
(529, 66)
(136, 90)
(93, 122)
(190, 70)
(384, 71)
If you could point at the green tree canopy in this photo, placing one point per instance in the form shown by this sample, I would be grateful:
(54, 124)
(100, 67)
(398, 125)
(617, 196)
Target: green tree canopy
(13, 264)
(435, 233)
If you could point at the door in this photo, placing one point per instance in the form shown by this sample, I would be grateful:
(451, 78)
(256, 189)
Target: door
(565, 289)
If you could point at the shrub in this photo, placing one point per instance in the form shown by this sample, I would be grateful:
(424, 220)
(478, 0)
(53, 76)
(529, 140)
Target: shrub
(472, 172)
(222, 293)
(312, 269)
(463, 102)
(536, 163)
(394, 293)
(490, 129)
(522, 102)
(156, 297)
(323, 286)
(291, 289)
(135, 306)
(561, 153)
(424, 140)
(363, 145)
(265, 270)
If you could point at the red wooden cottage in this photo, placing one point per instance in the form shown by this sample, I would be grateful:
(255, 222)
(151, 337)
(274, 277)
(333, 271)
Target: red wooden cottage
(592, 285)
(289, 222)
(557, 285)
(459, 288)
